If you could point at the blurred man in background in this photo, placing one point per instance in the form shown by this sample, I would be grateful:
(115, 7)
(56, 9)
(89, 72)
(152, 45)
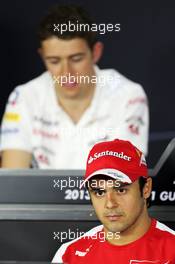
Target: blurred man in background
(52, 121)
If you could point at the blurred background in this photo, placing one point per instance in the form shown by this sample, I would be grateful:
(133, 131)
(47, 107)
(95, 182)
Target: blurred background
(143, 51)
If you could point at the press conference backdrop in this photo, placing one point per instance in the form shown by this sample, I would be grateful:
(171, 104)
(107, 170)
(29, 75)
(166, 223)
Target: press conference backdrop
(143, 51)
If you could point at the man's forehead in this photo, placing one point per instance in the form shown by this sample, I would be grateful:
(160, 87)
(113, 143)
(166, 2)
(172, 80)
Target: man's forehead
(64, 45)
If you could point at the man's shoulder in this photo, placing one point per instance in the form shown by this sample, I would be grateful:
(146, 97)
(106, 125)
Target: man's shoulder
(78, 246)
(163, 235)
(164, 231)
(32, 91)
(35, 84)
(164, 240)
(117, 82)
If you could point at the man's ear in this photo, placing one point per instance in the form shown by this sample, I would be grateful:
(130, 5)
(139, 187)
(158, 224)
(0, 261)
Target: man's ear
(147, 188)
(97, 51)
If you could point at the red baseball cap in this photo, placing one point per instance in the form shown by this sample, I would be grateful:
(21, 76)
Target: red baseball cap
(118, 159)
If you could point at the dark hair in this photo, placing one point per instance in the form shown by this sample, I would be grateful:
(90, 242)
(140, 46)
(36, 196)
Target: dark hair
(62, 14)
(142, 182)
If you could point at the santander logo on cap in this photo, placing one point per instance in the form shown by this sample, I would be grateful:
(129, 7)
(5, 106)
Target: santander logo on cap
(119, 155)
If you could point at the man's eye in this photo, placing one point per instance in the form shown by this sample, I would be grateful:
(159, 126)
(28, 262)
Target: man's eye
(77, 58)
(99, 193)
(121, 191)
(54, 62)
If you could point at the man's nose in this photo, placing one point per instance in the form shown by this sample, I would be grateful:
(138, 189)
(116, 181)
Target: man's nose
(66, 69)
(111, 200)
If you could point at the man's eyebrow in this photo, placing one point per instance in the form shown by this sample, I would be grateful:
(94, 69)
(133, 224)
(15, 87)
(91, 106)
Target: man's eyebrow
(121, 185)
(70, 56)
(96, 188)
(52, 57)
(77, 54)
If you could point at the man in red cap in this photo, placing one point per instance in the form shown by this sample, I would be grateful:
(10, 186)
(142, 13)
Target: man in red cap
(120, 188)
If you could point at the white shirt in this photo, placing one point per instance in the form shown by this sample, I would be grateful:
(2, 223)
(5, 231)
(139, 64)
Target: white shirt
(36, 123)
